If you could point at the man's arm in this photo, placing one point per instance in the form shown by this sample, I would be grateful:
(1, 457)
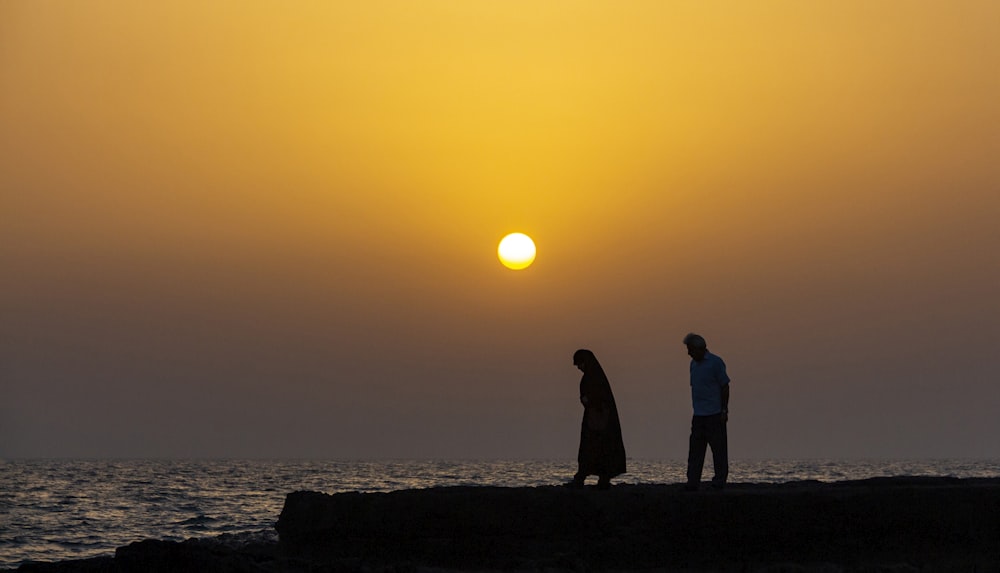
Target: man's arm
(725, 403)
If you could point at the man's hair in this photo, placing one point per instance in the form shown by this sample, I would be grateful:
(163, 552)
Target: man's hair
(695, 340)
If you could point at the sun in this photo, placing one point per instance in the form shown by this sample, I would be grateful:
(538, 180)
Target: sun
(516, 251)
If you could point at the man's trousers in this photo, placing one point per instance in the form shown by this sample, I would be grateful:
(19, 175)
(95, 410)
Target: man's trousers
(708, 431)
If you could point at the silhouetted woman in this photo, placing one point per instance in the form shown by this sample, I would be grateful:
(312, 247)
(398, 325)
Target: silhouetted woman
(602, 452)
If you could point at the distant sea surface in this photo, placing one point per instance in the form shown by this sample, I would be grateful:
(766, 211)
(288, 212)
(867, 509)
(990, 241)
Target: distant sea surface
(53, 510)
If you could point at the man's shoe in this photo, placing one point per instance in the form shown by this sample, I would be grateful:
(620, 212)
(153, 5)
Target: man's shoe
(691, 486)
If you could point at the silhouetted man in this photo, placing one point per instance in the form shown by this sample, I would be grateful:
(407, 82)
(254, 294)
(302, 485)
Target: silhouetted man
(710, 399)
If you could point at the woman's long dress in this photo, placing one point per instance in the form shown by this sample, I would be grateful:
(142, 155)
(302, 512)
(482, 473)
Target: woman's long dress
(602, 452)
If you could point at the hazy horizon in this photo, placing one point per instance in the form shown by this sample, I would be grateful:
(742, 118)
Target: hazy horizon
(259, 231)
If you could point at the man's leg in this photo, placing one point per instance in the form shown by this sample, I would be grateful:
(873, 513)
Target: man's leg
(719, 443)
(696, 451)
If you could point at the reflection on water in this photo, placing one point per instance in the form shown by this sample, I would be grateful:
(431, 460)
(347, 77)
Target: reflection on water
(71, 509)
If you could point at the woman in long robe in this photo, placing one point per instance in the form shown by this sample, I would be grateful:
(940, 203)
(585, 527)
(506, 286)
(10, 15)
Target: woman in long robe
(602, 452)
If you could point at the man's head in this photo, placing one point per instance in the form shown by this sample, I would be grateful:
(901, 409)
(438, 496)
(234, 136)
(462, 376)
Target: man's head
(696, 346)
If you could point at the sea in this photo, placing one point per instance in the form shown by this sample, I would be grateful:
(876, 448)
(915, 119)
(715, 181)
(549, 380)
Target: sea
(58, 509)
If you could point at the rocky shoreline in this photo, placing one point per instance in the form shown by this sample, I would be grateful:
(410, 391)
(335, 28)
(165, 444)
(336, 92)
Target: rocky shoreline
(880, 524)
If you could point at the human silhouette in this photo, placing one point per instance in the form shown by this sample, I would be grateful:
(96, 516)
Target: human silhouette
(602, 452)
(710, 401)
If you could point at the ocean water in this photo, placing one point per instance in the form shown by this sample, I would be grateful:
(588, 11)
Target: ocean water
(52, 510)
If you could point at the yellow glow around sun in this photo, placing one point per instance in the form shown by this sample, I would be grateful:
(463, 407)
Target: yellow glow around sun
(516, 251)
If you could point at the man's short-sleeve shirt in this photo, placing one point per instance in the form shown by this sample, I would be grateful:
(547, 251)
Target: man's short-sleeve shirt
(707, 379)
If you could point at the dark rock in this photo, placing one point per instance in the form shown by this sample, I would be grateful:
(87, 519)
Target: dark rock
(936, 523)
(192, 555)
(93, 565)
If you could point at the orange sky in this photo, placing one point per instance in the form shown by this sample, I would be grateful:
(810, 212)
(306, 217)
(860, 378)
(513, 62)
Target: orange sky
(269, 229)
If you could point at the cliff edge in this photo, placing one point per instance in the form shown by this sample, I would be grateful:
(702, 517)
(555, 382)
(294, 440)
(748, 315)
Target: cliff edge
(925, 523)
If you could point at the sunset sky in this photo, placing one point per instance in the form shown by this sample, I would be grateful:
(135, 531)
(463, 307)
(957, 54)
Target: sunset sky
(269, 229)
